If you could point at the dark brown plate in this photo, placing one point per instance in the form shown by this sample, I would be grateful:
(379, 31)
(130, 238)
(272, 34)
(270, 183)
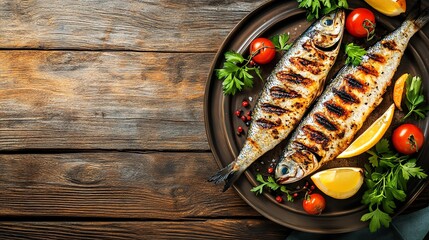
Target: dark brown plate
(279, 17)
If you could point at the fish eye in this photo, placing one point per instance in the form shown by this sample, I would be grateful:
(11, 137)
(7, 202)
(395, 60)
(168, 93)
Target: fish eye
(328, 21)
(284, 170)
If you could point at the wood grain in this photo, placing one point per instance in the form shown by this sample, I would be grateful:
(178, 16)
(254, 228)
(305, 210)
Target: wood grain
(115, 185)
(207, 229)
(149, 25)
(102, 100)
(102, 135)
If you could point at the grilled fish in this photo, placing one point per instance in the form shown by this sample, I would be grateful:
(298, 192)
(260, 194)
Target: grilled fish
(298, 78)
(347, 101)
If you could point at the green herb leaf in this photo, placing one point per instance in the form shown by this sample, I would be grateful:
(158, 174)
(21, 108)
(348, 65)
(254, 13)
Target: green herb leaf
(398, 194)
(354, 54)
(258, 189)
(386, 183)
(281, 42)
(410, 169)
(373, 160)
(233, 57)
(271, 184)
(235, 73)
(315, 7)
(415, 99)
(389, 206)
(343, 4)
(376, 217)
(382, 146)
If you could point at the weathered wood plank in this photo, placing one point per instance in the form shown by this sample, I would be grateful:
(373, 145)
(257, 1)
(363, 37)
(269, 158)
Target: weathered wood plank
(149, 25)
(119, 185)
(115, 185)
(102, 100)
(209, 229)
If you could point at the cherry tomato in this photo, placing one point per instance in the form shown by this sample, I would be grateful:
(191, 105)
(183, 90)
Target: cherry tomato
(314, 204)
(361, 23)
(263, 50)
(408, 138)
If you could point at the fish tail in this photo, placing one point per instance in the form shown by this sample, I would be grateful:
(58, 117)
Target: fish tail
(229, 174)
(422, 18)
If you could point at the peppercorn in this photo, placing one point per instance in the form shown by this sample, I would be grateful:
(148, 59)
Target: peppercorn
(237, 113)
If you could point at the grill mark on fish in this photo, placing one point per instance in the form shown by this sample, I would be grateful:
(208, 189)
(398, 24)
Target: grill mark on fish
(305, 158)
(335, 109)
(253, 143)
(389, 44)
(269, 108)
(315, 135)
(377, 57)
(288, 76)
(352, 82)
(306, 65)
(345, 96)
(318, 53)
(324, 122)
(368, 69)
(303, 146)
(267, 124)
(280, 93)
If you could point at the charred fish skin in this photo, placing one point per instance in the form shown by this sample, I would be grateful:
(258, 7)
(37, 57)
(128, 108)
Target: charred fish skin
(346, 103)
(297, 79)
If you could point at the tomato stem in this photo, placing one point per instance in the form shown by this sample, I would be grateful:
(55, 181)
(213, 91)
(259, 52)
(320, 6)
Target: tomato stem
(257, 51)
(369, 27)
(413, 143)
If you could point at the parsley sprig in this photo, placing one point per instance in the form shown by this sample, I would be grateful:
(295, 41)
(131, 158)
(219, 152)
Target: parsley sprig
(415, 99)
(271, 184)
(280, 42)
(317, 8)
(236, 77)
(237, 72)
(354, 54)
(386, 181)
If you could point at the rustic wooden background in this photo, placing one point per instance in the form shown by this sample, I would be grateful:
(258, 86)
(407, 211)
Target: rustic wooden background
(101, 121)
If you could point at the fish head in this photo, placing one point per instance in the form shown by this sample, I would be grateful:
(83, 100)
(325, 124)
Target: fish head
(329, 31)
(295, 165)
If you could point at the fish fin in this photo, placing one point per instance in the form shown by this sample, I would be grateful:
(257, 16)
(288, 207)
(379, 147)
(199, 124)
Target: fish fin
(229, 174)
(422, 18)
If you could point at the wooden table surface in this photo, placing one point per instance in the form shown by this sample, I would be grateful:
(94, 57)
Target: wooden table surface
(101, 122)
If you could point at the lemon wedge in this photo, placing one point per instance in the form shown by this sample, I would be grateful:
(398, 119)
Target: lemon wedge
(371, 136)
(388, 7)
(339, 183)
(398, 90)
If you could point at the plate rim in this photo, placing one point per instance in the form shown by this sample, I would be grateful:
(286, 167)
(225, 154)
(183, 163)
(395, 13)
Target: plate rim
(243, 183)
